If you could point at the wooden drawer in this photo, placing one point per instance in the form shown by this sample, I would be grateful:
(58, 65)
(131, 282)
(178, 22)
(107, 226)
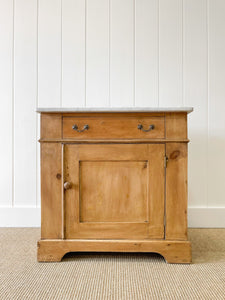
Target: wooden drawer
(113, 127)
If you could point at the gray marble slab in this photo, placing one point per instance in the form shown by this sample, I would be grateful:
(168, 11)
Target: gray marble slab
(113, 109)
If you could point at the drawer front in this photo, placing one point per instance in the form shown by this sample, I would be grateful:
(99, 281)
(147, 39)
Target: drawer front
(113, 128)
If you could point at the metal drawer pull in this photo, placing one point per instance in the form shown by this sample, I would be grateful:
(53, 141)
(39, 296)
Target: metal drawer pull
(75, 127)
(151, 127)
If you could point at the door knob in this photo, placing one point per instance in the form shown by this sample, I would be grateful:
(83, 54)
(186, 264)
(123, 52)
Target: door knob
(67, 185)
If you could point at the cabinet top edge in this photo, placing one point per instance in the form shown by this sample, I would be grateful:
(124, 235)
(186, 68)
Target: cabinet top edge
(114, 109)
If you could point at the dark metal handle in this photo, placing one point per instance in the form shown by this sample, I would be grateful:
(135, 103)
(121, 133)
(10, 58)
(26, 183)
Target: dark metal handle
(75, 127)
(151, 127)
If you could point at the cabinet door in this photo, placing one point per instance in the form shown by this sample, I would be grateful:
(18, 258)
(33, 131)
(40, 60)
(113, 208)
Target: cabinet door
(116, 191)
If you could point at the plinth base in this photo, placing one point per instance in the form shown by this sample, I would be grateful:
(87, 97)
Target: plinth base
(178, 252)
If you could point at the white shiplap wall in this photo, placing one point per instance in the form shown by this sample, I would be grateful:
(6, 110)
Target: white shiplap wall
(70, 53)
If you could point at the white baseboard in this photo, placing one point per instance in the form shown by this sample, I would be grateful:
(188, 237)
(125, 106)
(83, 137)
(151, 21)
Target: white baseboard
(203, 217)
(31, 217)
(20, 217)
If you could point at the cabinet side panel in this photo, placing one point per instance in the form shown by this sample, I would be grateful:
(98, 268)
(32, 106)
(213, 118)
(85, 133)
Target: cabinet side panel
(176, 191)
(72, 195)
(176, 125)
(156, 190)
(51, 191)
(51, 126)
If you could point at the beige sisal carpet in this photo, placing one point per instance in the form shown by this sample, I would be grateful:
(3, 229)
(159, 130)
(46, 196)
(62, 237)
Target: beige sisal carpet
(111, 276)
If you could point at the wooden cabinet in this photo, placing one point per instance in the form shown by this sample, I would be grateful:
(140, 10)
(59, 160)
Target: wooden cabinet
(114, 181)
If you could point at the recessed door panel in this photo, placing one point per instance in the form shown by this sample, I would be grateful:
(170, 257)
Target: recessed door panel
(113, 191)
(116, 191)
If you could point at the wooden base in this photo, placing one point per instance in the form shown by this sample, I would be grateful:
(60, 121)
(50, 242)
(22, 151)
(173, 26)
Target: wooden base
(172, 251)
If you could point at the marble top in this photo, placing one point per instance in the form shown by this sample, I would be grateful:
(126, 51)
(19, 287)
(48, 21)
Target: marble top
(113, 109)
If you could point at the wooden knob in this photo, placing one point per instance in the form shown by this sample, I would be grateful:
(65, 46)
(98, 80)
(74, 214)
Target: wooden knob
(67, 185)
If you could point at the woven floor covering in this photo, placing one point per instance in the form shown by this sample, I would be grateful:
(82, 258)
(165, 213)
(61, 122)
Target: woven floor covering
(111, 276)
